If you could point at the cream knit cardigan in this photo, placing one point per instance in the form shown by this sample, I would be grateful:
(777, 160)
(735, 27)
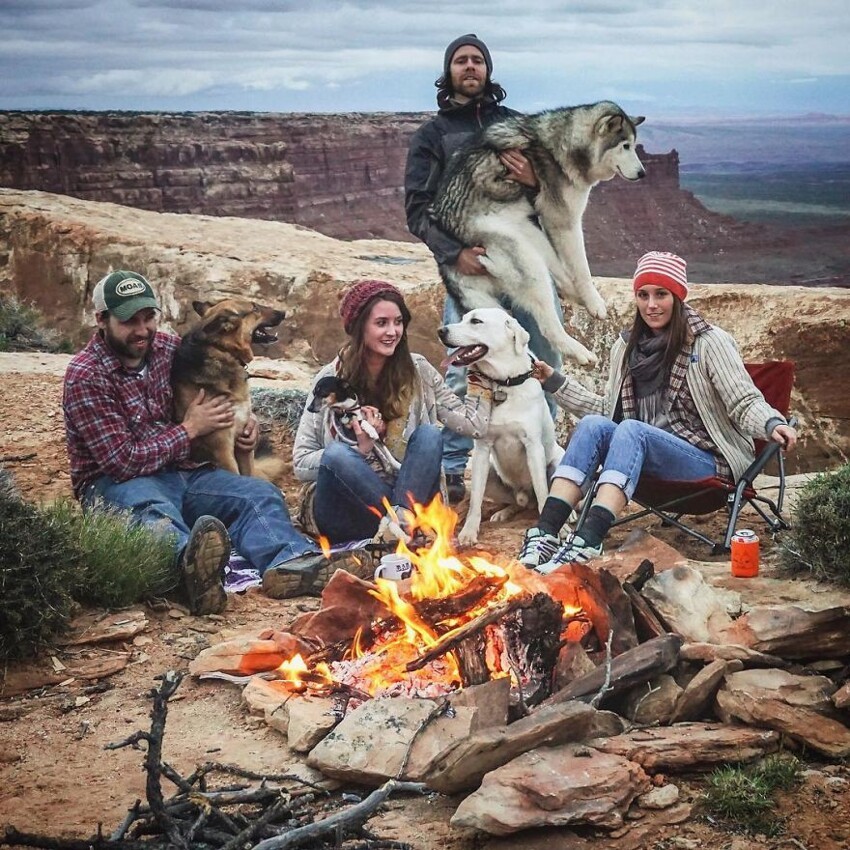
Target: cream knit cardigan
(730, 405)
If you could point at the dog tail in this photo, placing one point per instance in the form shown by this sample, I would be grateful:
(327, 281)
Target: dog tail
(273, 469)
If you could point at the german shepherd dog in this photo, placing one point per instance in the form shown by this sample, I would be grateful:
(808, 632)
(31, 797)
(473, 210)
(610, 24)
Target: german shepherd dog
(213, 357)
(571, 150)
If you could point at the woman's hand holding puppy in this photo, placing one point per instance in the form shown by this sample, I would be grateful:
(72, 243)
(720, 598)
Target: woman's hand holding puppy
(372, 416)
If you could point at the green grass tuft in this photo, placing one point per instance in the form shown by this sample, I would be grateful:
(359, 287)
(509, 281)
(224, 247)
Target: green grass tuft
(284, 406)
(120, 563)
(743, 797)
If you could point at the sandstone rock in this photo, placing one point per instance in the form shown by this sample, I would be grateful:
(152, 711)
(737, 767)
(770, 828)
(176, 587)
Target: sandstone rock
(240, 657)
(692, 608)
(91, 628)
(697, 698)
(261, 695)
(659, 798)
(573, 663)
(56, 246)
(640, 545)
(794, 705)
(841, 698)
(463, 764)
(372, 742)
(557, 786)
(729, 652)
(793, 632)
(490, 701)
(690, 746)
(653, 703)
(310, 720)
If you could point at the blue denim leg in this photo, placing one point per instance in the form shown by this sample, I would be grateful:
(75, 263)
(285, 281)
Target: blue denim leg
(542, 348)
(629, 449)
(586, 450)
(346, 488)
(254, 512)
(456, 447)
(419, 476)
(152, 500)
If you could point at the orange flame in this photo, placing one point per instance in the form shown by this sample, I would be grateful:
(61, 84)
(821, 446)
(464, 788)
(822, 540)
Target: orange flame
(325, 545)
(380, 666)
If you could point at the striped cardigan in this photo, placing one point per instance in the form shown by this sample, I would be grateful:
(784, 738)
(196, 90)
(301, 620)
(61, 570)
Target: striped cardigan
(730, 405)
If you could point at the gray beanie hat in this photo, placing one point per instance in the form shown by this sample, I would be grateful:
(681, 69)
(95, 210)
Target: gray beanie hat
(470, 39)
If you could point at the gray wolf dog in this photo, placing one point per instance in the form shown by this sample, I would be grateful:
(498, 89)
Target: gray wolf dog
(337, 400)
(213, 357)
(572, 150)
(512, 462)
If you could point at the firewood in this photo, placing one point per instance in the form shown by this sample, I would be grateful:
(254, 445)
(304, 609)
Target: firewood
(449, 641)
(475, 594)
(627, 670)
(647, 622)
(643, 573)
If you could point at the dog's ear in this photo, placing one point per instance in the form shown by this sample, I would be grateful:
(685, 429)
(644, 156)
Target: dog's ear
(609, 124)
(518, 334)
(638, 119)
(201, 307)
(221, 324)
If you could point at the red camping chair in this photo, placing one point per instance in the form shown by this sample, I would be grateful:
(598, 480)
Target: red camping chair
(670, 500)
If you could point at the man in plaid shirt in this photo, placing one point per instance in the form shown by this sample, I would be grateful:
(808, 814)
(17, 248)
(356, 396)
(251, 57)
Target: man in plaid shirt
(126, 452)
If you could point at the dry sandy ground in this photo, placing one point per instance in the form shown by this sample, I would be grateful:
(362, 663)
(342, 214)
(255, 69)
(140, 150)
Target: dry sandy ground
(57, 778)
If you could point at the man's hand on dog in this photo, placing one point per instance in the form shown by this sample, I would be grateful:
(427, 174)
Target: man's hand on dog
(247, 441)
(468, 263)
(519, 167)
(206, 414)
(373, 416)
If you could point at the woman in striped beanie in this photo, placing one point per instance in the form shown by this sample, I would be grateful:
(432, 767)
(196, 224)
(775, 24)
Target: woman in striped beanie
(678, 405)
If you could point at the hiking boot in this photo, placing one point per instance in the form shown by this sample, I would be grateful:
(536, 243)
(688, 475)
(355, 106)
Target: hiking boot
(202, 566)
(573, 551)
(308, 574)
(538, 547)
(455, 488)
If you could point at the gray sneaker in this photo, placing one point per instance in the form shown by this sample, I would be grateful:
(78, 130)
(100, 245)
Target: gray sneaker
(308, 574)
(202, 566)
(573, 551)
(538, 547)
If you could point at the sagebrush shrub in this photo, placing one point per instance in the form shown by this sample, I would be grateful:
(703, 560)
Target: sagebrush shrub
(37, 568)
(820, 537)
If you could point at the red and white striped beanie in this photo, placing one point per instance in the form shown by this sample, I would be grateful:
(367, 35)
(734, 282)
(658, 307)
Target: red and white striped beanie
(660, 268)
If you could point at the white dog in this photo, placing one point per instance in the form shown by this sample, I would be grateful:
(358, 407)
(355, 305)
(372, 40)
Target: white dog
(512, 461)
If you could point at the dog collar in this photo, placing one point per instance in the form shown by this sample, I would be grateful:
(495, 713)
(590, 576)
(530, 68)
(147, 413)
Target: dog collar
(516, 380)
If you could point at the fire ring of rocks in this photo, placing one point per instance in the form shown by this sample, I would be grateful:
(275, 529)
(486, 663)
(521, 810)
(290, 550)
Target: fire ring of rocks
(556, 700)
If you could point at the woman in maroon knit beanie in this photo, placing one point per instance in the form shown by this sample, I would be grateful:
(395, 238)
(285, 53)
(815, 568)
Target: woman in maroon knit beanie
(403, 397)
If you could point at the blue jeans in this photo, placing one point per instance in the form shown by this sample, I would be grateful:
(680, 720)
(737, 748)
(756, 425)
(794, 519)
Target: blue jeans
(456, 447)
(348, 490)
(171, 500)
(627, 449)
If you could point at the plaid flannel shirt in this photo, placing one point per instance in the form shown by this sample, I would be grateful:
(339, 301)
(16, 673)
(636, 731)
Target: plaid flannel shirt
(118, 422)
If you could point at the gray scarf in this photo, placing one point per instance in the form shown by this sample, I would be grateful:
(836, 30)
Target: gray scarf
(650, 378)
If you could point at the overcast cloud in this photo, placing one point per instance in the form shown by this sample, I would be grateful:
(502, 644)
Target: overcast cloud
(665, 59)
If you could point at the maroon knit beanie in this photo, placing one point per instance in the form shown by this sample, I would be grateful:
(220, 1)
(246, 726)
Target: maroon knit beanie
(358, 296)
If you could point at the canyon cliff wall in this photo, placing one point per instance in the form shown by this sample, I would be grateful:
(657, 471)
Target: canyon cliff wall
(53, 249)
(342, 175)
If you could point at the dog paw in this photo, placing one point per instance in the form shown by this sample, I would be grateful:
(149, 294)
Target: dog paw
(504, 515)
(596, 307)
(467, 537)
(580, 354)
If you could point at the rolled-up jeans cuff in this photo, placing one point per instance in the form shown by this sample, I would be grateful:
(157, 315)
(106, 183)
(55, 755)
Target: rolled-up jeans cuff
(575, 475)
(618, 479)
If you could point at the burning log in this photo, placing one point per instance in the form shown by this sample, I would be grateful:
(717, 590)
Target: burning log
(532, 633)
(474, 595)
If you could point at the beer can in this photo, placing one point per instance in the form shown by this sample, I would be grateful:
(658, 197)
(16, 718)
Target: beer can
(394, 568)
(745, 553)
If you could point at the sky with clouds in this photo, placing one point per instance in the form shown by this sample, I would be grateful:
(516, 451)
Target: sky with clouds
(664, 58)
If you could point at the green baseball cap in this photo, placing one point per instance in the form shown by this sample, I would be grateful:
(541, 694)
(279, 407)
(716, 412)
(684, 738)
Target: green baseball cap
(123, 294)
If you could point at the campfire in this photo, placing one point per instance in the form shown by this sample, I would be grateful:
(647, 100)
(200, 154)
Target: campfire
(457, 621)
